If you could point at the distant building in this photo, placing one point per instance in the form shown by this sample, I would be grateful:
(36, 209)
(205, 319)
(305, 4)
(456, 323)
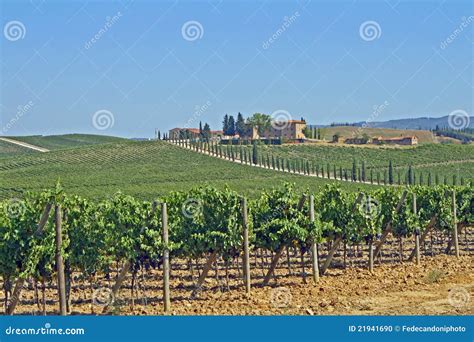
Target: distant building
(191, 133)
(291, 130)
(412, 140)
(357, 141)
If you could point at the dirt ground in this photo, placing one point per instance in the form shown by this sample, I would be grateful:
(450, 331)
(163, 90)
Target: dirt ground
(441, 285)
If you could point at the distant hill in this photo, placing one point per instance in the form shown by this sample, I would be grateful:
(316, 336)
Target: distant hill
(424, 136)
(423, 123)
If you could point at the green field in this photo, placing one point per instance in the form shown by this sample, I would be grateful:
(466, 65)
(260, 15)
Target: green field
(142, 169)
(55, 142)
(99, 166)
(8, 150)
(444, 159)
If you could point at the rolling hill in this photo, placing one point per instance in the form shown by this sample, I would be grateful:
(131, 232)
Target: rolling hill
(145, 169)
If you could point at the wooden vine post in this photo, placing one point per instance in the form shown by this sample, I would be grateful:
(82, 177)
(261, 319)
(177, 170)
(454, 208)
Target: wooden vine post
(59, 261)
(314, 246)
(423, 236)
(371, 255)
(166, 259)
(245, 233)
(417, 234)
(455, 224)
(20, 282)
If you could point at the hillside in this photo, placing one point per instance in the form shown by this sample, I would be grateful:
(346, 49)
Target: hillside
(444, 159)
(8, 149)
(423, 123)
(55, 142)
(352, 131)
(142, 169)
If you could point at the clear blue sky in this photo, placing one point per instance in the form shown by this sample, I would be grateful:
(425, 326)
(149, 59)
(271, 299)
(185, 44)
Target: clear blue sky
(320, 66)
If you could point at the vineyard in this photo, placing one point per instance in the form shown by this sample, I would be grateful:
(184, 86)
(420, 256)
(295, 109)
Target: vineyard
(361, 165)
(144, 169)
(91, 251)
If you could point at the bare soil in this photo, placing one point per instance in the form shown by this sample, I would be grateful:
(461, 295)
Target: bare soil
(441, 285)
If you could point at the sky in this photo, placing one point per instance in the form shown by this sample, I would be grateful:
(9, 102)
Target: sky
(127, 67)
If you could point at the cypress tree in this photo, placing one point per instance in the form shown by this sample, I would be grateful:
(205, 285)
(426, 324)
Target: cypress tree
(390, 172)
(255, 153)
(378, 177)
(354, 170)
(340, 172)
(445, 180)
(363, 170)
(399, 178)
(421, 178)
(385, 177)
(430, 180)
(371, 176)
(455, 179)
(328, 168)
(225, 124)
(410, 175)
(436, 179)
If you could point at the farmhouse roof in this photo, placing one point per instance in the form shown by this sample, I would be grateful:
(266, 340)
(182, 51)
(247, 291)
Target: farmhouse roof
(396, 138)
